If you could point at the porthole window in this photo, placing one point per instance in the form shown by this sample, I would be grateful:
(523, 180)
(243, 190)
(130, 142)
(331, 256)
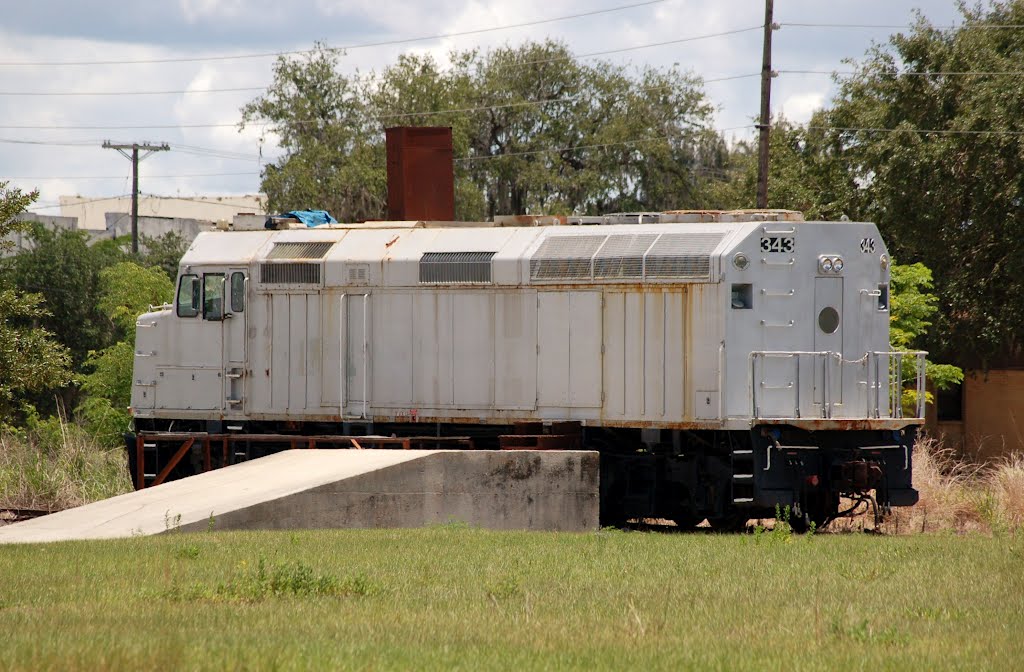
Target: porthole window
(828, 320)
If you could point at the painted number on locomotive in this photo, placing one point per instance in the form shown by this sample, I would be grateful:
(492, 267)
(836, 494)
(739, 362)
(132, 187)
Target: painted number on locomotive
(778, 243)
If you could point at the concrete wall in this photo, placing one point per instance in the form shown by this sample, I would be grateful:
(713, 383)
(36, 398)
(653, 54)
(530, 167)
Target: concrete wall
(529, 490)
(91, 212)
(503, 490)
(120, 224)
(23, 241)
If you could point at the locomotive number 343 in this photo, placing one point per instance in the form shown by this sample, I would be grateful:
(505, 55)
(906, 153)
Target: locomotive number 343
(777, 243)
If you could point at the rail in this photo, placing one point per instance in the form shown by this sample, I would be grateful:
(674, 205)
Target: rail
(815, 379)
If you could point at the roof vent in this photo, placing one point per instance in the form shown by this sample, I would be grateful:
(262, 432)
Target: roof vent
(299, 250)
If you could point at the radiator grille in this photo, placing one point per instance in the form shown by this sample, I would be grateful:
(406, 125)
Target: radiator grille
(299, 250)
(682, 255)
(290, 274)
(456, 267)
(623, 256)
(565, 258)
(636, 256)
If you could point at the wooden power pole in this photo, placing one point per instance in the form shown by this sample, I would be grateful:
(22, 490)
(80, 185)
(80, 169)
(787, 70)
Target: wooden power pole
(135, 158)
(766, 94)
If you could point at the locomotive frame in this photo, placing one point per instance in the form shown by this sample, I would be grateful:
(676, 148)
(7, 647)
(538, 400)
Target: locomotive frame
(723, 364)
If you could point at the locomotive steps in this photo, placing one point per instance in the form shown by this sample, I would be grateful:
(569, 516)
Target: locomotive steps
(531, 490)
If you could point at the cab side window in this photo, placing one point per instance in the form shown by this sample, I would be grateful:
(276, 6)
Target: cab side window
(188, 296)
(237, 292)
(213, 296)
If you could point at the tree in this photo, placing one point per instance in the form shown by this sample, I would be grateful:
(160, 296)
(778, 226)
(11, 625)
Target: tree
(65, 271)
(806, 173)
(946, 186)
(164, 252)
(31, 361)
(534, 130)
(333, 158)
(126, 291)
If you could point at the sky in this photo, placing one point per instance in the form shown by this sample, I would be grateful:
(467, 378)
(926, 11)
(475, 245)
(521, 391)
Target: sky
(56, 56)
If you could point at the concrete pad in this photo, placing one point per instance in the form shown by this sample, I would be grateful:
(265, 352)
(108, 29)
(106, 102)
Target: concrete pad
(549, 490)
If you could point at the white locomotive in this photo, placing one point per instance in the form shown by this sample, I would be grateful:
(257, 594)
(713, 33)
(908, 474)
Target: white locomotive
(723, 363)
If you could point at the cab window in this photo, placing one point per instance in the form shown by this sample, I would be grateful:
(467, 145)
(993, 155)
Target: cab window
(213, 296)
(188, 296)
(237, 292)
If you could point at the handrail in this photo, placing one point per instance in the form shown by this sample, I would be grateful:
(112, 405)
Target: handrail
(871, 367)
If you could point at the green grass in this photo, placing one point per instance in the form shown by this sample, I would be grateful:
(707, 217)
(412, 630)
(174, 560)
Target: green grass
(456, 598)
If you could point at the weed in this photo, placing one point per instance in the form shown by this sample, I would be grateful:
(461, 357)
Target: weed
(452, 524)
(276, 580)
(863, 632)
(187, 552)
(210, 523)
(54, 464)
(172, 523)
(506, 588)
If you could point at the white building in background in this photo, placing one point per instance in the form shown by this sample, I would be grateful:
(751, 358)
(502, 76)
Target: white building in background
(92, 213)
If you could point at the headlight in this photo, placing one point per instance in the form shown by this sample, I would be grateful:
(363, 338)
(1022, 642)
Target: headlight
(826, 264)
(837, 265)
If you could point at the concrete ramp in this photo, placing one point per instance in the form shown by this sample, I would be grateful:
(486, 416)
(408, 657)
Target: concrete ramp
(527, 490)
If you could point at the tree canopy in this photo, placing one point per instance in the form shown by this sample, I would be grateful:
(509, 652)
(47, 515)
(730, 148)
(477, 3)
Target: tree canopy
(535, 130)
(945, 179)
(32, 361)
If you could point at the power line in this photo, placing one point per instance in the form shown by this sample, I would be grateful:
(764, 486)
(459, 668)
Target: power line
(397, 115)
(42, 178)
(362, 45)
(909, 73)
(551, 150)
(70, 143)
(131, 93)
(923, 131)
(377, 76)
(891, 26)
(86, 201)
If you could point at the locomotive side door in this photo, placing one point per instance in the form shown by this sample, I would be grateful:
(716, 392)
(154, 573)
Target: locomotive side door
(233, 338)
(355, 355)
(828, 337)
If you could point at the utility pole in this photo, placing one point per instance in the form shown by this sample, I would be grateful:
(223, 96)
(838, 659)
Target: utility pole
(766, 93)
(135, 158)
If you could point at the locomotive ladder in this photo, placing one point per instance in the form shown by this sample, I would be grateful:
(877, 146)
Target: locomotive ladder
(742, 462)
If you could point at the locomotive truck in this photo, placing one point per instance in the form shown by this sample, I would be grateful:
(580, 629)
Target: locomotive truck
(723, 364)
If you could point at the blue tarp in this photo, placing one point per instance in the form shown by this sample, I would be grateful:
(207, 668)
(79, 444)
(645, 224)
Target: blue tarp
(307, 217)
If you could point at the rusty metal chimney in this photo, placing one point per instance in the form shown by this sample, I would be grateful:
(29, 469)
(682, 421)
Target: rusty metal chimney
(421, 178)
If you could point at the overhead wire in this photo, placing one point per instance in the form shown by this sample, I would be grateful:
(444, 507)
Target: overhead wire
(349, 47)
(479, 108)
(376, 76)
(118, 177)
(904, 26)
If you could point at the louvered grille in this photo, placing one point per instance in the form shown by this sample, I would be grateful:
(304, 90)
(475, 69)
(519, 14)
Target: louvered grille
(685, 256)
(456, 267)
(623, 256)
(290, 274)
(299, 250)
(638, 256)
(564, 258)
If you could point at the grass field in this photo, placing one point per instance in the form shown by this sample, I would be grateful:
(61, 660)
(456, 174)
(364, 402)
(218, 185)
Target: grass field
(456, 598)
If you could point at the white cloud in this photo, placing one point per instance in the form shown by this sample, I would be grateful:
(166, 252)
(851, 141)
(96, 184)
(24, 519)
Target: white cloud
(340, 22)
(799, 107)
